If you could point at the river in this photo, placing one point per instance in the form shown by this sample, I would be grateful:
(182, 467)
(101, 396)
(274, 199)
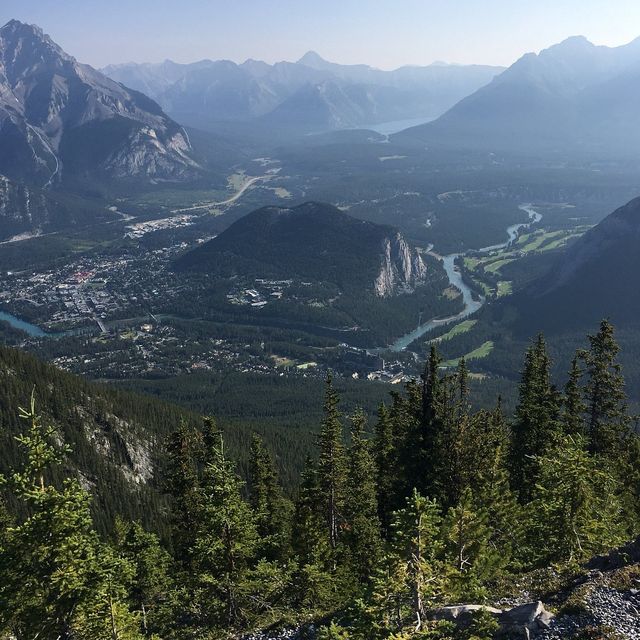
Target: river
(471, 303)
(27, 327)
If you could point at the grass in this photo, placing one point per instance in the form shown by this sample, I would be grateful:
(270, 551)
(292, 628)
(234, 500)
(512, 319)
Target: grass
(539, 239)
(505, 288)
(495, 267)
(463, 327)
(477, 354)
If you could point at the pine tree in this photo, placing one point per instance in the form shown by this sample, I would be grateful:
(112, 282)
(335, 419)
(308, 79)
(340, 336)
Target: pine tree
(536, 426)
(385, 454)
(607, 419)
(272, 510)
(573, 407)
(575, 511)
(52, 564)
(226, 539)
(361, 507)
(332, 466)
(471, 556)
(417, 545)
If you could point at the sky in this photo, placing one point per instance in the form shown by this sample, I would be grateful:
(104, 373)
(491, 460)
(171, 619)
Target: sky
(383, 33)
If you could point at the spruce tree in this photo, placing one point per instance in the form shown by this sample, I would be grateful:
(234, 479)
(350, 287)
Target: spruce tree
(417, 545)
(363, 525)
(386, 469)
(608, 424)
(53, 568)
(181, 483)
(332, 466)
(575, 512)
(272, 510)
(226, 540)
(151, 564)
(472, 559)
(536, 425)
(573, 406)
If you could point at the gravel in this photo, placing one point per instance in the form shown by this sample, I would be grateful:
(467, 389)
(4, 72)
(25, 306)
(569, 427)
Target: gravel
(618, 611)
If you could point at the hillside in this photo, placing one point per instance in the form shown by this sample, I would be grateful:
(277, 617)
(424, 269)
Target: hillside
(572, 96)
(595, 278)
(312, 241)
(115, 436)
(60, 119)
(26, 211)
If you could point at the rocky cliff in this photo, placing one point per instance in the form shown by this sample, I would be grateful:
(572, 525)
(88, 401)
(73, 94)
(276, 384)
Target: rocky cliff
(60, 118)
(402, 268)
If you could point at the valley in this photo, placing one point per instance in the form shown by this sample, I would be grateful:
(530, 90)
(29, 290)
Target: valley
(294, 349)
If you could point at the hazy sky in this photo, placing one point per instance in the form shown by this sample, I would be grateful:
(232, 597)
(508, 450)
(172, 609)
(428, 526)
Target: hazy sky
(383, 33)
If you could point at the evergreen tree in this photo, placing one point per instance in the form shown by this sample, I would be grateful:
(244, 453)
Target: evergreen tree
(226, 540)
(471, 557)
(535, 428)
(361, 505)
(272, 510)
(492, 491)
(573, 406)
(151, 566)
(417, 546)
(332, 466)
(52, 564)
(575, 512)
(425, 446)
(183, 448)
(607, 419)
(385, 454)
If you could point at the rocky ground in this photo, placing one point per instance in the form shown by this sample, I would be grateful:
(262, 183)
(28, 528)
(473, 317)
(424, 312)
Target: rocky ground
(600, 601)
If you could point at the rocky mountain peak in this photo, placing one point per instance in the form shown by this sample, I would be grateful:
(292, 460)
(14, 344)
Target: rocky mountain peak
(48, 104)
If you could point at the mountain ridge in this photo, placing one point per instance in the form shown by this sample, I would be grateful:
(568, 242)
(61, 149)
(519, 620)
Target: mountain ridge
(59, 117)
(572, 96)
(207, 91)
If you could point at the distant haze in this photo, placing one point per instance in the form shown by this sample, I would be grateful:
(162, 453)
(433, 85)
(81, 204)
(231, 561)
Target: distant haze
(382, 33)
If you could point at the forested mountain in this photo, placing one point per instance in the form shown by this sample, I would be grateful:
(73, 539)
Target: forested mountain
(115, 437)
(61, 119)
(595, 277)
(309, 94)
(573, 96)
(32, 211)
(435, 505)
(312, 241)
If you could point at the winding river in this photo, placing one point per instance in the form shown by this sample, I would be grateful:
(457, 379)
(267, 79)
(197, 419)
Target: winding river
(471, 303)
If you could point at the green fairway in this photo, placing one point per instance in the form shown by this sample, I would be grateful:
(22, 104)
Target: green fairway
(481, 352)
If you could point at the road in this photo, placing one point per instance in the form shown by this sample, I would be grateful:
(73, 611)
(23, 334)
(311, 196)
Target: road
(207, 205)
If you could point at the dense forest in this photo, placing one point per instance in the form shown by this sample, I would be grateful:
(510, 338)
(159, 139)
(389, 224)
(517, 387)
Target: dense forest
(434, 504)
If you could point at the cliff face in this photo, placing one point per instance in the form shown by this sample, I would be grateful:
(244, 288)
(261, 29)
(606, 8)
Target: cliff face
(402, 268)
(60, 117)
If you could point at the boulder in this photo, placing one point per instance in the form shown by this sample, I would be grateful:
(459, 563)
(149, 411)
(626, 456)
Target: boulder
(525, 620)
(462, 612)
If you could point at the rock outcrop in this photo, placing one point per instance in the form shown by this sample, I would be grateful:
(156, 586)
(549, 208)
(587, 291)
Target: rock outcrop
(402, 268)
(59, 117)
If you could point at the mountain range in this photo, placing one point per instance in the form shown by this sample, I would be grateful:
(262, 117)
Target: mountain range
(60, 119)
(311, 93)
(572, 96)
